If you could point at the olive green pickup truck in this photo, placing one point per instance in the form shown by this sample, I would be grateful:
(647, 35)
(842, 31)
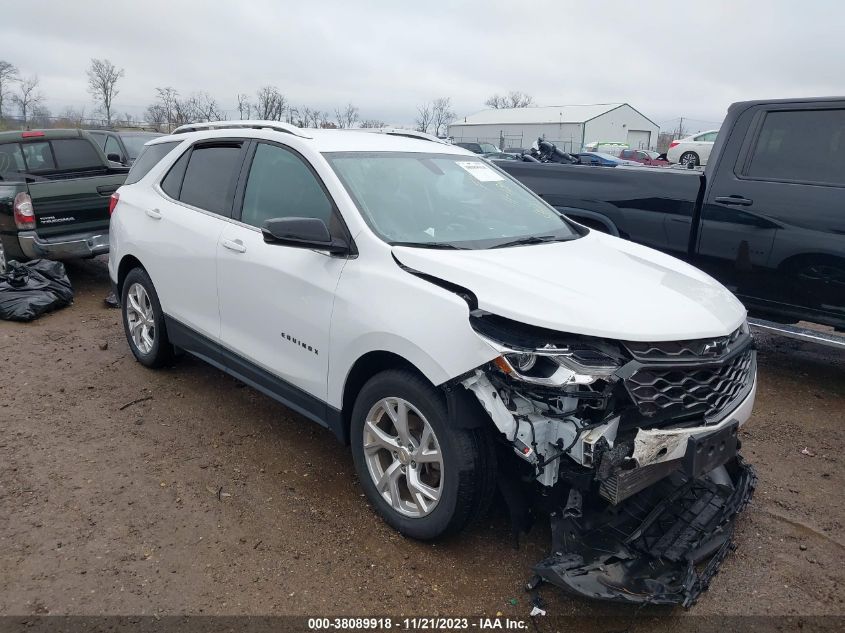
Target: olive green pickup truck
(55, 191)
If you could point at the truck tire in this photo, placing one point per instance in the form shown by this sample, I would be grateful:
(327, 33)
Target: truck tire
(689, 158)
(143, 320)
(425, 477)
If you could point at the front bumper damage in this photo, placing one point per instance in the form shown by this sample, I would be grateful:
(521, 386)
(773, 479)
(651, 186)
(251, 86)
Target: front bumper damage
(660, 546)
(635, 450)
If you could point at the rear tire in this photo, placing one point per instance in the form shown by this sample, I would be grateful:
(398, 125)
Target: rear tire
(143, 320)
(689, 158)
(463, 478)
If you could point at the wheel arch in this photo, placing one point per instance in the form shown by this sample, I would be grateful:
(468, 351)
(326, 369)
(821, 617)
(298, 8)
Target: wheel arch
(464, 409)
(126, 264)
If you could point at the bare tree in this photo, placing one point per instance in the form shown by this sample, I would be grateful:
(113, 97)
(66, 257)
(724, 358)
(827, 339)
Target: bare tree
(270, 104)
(40, 116)
(518, 99)
(441, 115)
(27, 97)
(424, 116)
(204, 107)
(8, 75)
(514, 99)
(71, 117)
(102, 84)
(162, 113)
(157, 117)
(347, 117)
(373, 123)
(244, 107)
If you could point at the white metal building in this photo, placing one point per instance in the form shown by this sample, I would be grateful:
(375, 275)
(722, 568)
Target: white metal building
(570, 127)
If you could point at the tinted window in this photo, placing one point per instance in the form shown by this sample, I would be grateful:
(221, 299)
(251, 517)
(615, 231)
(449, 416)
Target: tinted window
(149, 158)
(210, 177)
(804, 145)
(112, 147)
(38, 156)
(76, 153)
(280, 185)
(172, 183)
(99, 138)
(11, 158)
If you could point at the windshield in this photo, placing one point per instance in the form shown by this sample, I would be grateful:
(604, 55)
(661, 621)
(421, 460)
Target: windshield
(135, 143)
(444, 201)
(487, 148)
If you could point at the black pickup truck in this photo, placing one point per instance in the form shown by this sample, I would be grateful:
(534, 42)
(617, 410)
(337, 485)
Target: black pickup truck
(766, 217)
(55, 188)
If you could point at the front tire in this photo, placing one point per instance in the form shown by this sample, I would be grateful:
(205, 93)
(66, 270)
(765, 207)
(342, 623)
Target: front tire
(143, 320)
(426, 478)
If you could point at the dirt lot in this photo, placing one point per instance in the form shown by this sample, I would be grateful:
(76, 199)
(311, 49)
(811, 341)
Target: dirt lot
(206, 497)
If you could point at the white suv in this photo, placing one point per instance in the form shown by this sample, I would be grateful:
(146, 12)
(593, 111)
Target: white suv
(458, 331)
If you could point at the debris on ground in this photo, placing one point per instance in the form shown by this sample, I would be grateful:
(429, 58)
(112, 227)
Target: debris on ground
(135, 401)
(29, 290)
(806, 451)
(111, 301)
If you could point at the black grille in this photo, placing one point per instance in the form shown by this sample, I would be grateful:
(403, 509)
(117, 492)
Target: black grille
(696, 349)
(702, 389)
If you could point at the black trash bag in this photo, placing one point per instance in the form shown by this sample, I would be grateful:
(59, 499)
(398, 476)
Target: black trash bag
(29, 290)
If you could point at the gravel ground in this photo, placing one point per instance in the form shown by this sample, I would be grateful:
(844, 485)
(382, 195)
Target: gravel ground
(181, 491)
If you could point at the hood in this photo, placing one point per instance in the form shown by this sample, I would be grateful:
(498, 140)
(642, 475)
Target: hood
(597, 285)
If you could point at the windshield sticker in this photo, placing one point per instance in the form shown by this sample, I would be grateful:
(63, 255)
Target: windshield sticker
(479, 171)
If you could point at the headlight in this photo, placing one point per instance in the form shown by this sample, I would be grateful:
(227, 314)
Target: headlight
(556, 367)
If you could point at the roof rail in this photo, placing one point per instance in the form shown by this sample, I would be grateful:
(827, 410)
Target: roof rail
(278, 126)
(395, 131)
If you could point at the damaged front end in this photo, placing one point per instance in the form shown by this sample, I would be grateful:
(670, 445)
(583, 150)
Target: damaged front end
(632, 448)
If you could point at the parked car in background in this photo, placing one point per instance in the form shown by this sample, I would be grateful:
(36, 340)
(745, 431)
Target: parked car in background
(644, 157)
(605, 147)
(692, 150)
(122, 146)
(600, 159)
(55, 188)
(502, 156)
(434, 332)
(765, 217)
(478, 148)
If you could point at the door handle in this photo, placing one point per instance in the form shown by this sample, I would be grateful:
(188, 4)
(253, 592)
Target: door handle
(155, 214)
(735, 200)
(234, 245)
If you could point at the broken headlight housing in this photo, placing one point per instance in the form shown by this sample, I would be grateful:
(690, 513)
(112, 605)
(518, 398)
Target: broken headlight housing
(556, 366)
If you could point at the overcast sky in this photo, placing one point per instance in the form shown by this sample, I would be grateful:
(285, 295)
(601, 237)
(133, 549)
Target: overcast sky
(667, 59)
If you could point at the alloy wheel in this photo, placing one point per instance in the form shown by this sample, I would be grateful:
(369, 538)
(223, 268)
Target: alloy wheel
(403, 457)
(139, 315)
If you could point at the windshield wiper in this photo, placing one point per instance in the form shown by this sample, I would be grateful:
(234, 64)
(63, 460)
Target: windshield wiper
(531, 239)
(446, 245)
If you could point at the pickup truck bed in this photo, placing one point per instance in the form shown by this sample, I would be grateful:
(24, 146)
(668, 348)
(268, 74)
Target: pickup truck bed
(766, 217)
(68, 182)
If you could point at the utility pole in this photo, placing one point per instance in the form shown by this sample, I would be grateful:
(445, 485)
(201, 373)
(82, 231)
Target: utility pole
(681, 128)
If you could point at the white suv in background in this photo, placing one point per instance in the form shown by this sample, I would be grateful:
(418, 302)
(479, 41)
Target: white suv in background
(692, 150)
(432, 312)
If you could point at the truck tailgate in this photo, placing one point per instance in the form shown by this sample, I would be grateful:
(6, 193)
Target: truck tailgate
(73, 205)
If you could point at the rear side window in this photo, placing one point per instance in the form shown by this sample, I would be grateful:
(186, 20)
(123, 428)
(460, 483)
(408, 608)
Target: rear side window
(211, 176)
(76, 153)
(801, 145)
(149, 158)
(11, 158)
(281, 185)
(38, 156)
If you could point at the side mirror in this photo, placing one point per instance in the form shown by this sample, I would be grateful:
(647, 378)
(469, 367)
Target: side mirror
(115, 158)
(303, 233)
